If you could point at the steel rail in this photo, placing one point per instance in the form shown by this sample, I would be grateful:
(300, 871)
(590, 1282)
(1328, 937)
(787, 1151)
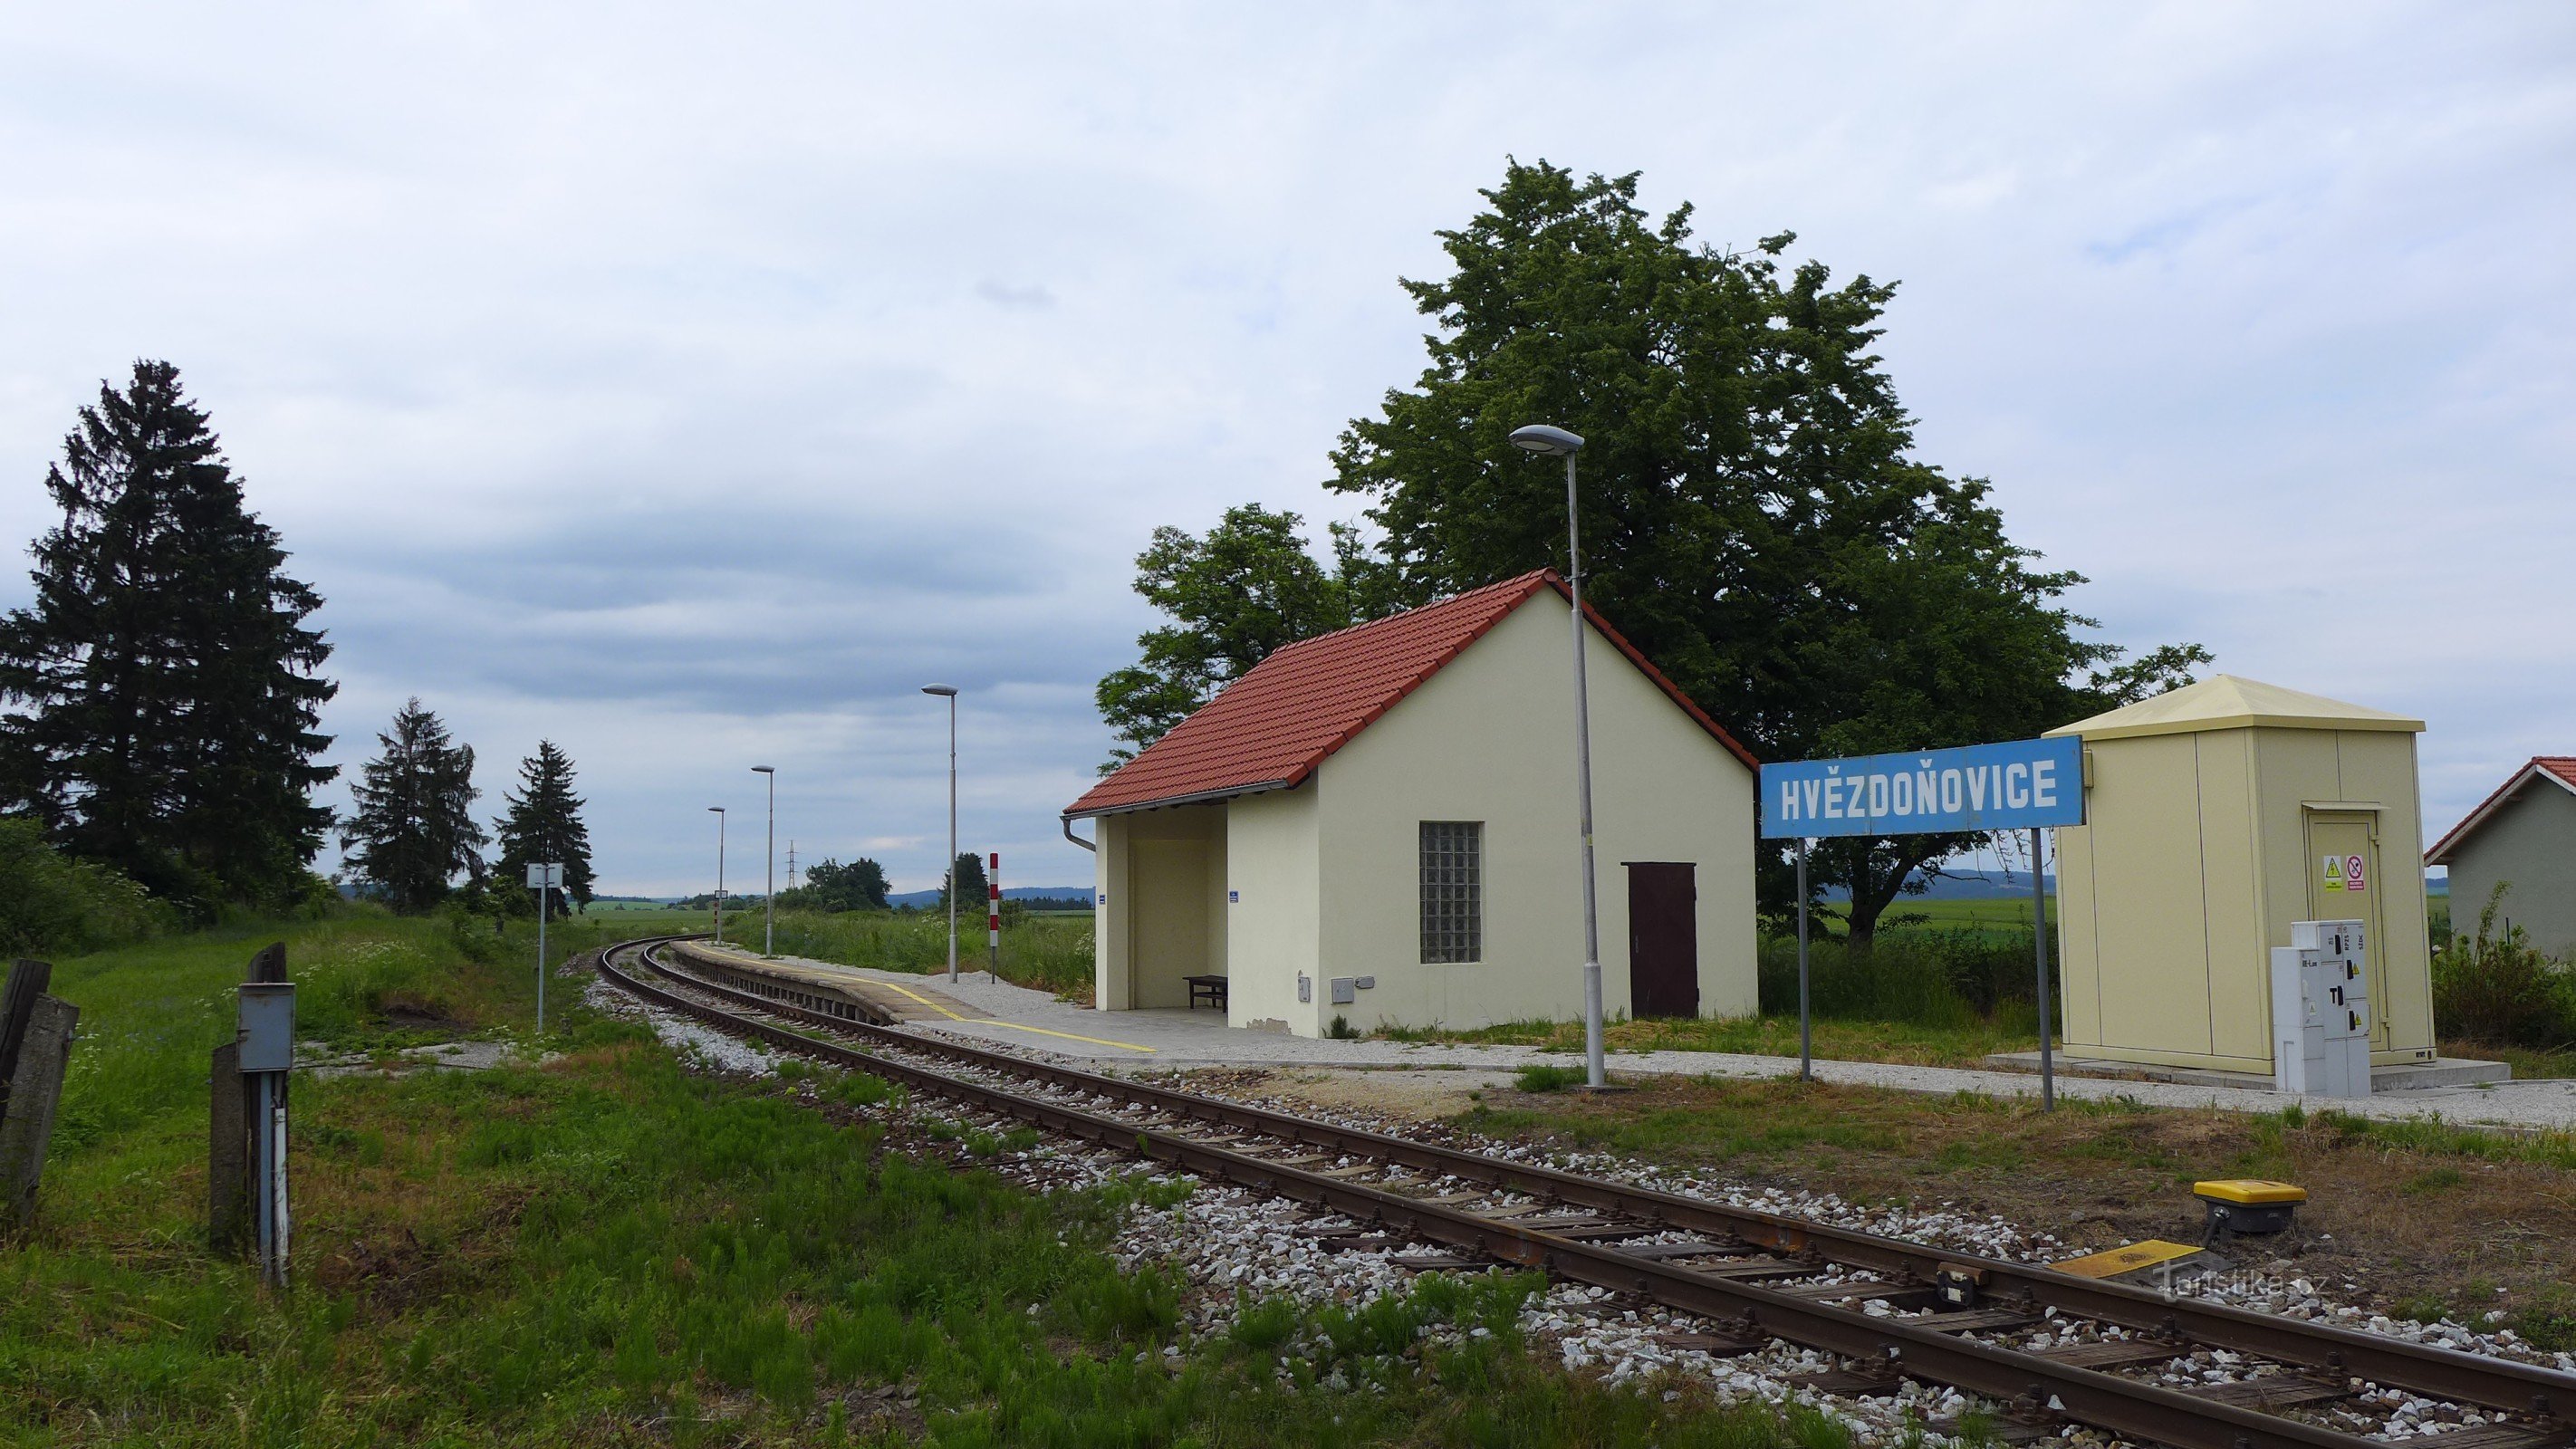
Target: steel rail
(2419, 1368)
(2034, 1384)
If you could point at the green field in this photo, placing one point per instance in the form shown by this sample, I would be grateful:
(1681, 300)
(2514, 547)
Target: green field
(614, 1250)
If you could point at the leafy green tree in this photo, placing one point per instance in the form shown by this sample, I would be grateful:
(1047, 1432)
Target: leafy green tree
(831, 886)
(414, 831)
(1235, 593)
(543, 823)
(168, 685)
(1752, 512)
(969, 873)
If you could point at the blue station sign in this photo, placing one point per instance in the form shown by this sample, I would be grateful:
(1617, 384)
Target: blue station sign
(2018, 785)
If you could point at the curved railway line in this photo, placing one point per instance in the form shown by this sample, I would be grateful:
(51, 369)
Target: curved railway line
(1753, 1276)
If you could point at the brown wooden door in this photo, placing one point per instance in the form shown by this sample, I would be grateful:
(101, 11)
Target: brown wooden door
(1663, 939)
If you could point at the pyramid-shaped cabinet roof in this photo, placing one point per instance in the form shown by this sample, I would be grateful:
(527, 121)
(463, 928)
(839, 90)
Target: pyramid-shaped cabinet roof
(2231, 702)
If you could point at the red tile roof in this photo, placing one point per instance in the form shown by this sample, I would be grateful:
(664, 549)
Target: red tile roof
(2561, 770)
(1272, 727)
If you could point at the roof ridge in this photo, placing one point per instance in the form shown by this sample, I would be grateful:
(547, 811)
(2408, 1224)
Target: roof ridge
(2537, 765)
(1440, 603)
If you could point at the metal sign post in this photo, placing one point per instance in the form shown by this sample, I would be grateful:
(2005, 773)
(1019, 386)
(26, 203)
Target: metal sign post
(266, 1024)
(1972, 789)
(1806, 1043)
(545, 878)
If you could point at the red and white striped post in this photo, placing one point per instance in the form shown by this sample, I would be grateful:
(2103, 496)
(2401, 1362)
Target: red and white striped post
(993, 917)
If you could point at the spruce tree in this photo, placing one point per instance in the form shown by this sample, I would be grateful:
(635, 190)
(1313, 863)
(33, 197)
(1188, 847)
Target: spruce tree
(968, 872)
(543, 823)
(414, 831)
(167, 686)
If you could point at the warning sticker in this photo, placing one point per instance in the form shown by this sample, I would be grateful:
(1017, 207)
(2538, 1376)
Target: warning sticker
(2356, 875)
(2334, 872)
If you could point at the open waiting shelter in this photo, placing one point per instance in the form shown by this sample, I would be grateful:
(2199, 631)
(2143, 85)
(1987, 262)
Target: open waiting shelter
(1379, 825)
(2217, 815)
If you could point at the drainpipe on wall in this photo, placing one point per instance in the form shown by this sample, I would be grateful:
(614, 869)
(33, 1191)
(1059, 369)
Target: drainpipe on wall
(1076, 839)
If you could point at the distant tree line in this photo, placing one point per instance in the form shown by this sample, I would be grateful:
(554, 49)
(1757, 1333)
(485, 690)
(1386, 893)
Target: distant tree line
(1753, 515)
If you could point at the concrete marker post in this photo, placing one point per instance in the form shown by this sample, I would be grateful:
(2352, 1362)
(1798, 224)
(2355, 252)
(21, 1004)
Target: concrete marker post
(2039, 936)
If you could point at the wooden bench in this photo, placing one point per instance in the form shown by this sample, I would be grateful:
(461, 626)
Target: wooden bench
(1208, 988)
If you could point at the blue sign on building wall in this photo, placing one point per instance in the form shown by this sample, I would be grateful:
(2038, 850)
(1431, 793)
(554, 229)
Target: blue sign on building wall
(2018, 785)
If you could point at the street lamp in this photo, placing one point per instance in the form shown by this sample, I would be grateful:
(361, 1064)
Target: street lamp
(1546, 442)
(949, 693)
(719, 813)
(769, 875)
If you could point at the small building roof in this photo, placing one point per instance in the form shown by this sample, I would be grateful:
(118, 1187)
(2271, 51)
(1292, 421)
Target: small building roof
(1271, 728)
(2232, 702)
(2558, 770)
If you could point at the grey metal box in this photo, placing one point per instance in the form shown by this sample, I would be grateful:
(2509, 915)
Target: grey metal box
(267, 1018)
(1343, 991)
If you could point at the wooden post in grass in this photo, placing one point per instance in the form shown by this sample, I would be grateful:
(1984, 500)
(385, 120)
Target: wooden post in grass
(36, 1033)
(27, 981)
(228, 1156)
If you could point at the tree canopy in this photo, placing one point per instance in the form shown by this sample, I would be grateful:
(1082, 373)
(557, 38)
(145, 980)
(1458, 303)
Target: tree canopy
(1234, 594)
(1753, 514)
(542, 822)
(168, 685)
(414, 831)
(831, 886)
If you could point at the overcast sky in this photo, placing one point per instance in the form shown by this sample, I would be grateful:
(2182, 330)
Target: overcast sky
(689, 384)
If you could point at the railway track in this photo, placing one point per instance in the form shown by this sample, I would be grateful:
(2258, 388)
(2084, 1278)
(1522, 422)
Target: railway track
(1752, 1276)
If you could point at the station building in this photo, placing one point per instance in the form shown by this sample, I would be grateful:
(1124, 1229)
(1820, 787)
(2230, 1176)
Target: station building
(1379, 825)
(2523, 837)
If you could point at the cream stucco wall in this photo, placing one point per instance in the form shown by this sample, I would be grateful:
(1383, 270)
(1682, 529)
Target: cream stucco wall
(1490, 738)
(1274, 867)
(2194, 865)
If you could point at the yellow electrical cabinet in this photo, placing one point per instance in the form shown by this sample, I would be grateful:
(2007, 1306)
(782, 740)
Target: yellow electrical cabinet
(2216, 815)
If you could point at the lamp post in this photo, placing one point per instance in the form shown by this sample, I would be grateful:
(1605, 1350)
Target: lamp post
(1548, 442)
(769, 871)
(949, 693)
(719, 814)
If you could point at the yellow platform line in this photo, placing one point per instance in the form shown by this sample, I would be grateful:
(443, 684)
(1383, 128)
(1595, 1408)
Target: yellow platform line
(917, 996)
(1011, 1025)
(1067, 1035)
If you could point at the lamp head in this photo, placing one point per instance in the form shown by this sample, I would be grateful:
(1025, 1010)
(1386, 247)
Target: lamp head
(764, 769)
(1547, 442)
(719, 809)
(945, 691)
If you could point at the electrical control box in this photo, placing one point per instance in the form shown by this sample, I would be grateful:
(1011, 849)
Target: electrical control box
(265, 1018)
(2321, 1010)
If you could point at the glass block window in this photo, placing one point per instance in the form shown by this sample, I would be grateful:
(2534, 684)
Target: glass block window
(1453, 890)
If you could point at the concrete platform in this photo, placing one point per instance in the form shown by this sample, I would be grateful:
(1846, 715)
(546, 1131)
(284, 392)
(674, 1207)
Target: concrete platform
(2407, 1077)
(997, 1012)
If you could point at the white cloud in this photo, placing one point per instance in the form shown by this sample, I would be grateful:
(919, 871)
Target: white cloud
(690, 385)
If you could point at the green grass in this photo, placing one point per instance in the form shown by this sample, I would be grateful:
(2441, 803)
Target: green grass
(1050, 953)
(612, 1250)
(1965, 1045)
